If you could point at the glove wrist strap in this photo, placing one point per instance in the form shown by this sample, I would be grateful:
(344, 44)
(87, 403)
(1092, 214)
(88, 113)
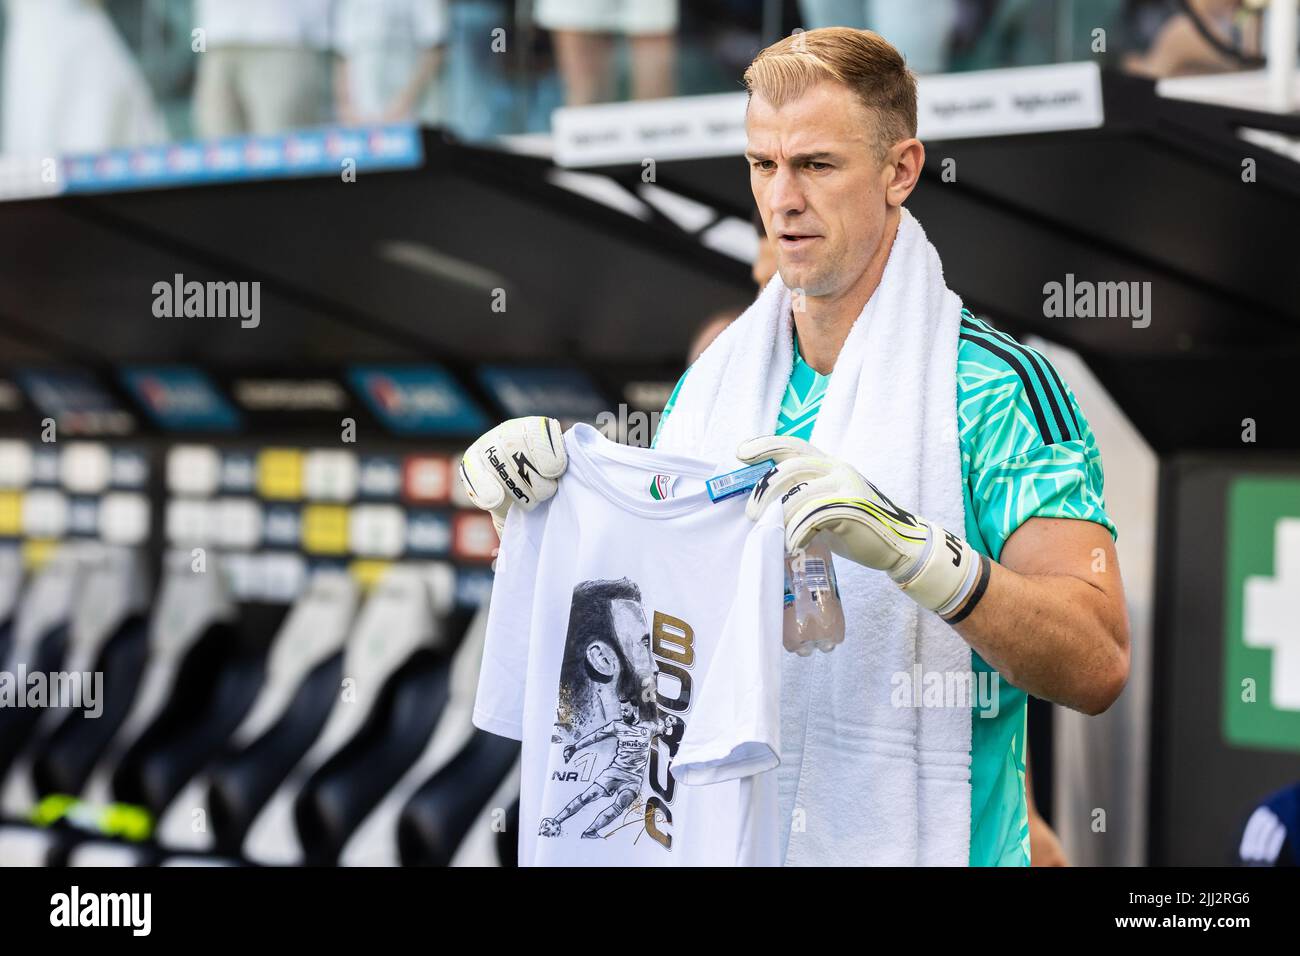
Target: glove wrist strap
(945, 574)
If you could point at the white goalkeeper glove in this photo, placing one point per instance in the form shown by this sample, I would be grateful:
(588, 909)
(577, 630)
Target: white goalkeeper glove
(818, 494)
(518, 462)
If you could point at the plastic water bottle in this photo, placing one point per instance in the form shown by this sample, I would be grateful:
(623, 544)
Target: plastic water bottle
(814, 616)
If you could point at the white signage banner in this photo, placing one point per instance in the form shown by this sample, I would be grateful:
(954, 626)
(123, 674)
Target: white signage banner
(1032, 99)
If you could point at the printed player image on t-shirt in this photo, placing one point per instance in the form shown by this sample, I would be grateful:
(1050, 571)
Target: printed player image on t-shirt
(606, 718)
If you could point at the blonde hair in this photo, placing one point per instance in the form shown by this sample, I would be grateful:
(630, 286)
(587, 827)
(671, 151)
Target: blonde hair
(864, 61)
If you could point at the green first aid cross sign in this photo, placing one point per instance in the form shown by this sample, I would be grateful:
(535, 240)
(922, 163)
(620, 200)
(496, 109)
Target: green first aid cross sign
(1261, 680)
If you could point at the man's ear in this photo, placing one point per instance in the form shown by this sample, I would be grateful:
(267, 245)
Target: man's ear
(906, 160)
(601, 660)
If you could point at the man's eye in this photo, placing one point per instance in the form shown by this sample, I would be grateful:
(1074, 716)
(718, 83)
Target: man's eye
(764, 164)
(819, 166)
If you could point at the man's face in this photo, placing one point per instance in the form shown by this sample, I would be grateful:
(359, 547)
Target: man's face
(633, 635)
(819, 186)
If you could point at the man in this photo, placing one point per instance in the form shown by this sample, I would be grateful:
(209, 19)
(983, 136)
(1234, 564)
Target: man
(1045, 845)
(607, 658)
(606, 670)
(264, 67)
(622, 778)
(1033, 586)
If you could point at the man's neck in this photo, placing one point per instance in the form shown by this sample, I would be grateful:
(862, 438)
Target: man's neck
(825, 321)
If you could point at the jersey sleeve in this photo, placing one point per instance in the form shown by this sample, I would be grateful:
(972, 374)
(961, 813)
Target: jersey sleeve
(499, 701)
(735, 729)
(672, 400)
(1027, 449)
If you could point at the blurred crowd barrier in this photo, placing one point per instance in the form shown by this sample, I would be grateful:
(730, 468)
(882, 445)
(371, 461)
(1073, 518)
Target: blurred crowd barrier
(88, 75)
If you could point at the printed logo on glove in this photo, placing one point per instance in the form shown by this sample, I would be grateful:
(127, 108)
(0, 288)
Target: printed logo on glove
(819, 494)
(519, 462)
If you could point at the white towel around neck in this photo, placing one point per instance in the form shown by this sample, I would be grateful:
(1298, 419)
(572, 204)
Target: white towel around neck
(863, 780)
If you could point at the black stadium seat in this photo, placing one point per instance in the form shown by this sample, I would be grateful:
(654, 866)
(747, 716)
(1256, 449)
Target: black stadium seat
(242, 781)
(346, 787)
(65, 760)
(435, 820)
(18, 723)
(214, 688)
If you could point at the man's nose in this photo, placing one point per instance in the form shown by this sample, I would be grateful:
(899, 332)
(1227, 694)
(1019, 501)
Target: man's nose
(786, 194)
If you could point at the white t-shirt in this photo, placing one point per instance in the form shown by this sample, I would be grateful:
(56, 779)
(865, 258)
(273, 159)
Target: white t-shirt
(634, 646)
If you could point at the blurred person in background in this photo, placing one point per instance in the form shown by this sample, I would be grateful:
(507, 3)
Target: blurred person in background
(1271, 836)
(585, 33)
(1201, 36)
(390, 55)
(920, 29)
(265, 68)
(993, 34)
(71, 84)
(485, 94)
(763, 269)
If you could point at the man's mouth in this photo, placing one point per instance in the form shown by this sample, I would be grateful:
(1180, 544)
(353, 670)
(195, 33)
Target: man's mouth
(795, 240)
